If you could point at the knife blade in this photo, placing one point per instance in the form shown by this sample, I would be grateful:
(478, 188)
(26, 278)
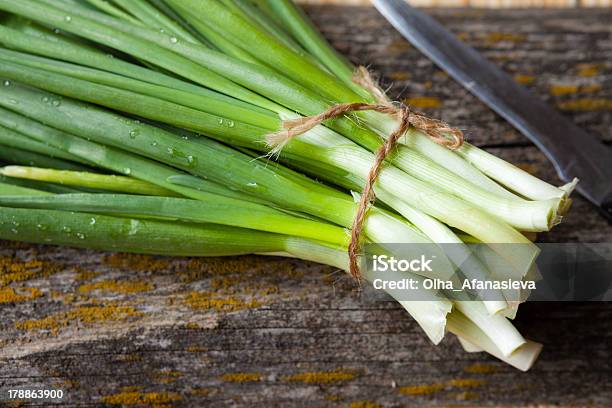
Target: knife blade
(572, 151)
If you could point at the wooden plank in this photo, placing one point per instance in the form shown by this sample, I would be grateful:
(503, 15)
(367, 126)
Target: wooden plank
(124, 330)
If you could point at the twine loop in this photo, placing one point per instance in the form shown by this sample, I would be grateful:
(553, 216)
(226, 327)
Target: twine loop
(438, 131)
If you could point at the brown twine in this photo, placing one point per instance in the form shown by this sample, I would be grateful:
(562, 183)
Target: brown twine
(436, 130)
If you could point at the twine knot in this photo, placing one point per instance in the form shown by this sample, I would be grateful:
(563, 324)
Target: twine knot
(438, 131)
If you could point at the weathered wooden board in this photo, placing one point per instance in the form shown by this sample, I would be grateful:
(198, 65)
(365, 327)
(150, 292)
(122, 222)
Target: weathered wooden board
(114, 329)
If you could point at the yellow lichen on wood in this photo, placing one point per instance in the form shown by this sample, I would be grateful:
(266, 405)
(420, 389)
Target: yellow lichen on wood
(588, 69)
(46, 323)
(242, 377)
(9, 295)
(563, 89)
(480, 368)
(14, 270)
(83, 314)
(199, 268)
(202, 392)
(65, 298)
(227, 282)
(428, 389)
(166, 380)
(132, 388)
(586, 104)
(505, 37)
(364, 404)
(16, 404)
(322, 377)
(423, 102)
(466, 382)
(590, 88)
(214, 301)
(123, 287)
(421, 389)
(168, 376)
(524, 79)
(398, 46)
(570, 89)
(399, 75)
(129, 357)
(83, 275)
(466, 396)
(139, 398)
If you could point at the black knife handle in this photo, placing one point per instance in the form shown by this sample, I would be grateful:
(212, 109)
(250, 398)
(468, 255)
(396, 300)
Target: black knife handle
(606, 207)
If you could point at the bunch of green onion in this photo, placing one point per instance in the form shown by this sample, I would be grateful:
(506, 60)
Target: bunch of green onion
(141, 125)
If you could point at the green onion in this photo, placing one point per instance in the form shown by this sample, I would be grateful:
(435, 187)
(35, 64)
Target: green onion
(112, 10)
(38, 185)
(508, 175)
(511, 176)
(153, 17)
(181, 113)
(86, 179)
(529, 216)
(302, 29)
(217, 210)
(13, 139)
(7, 188)
(132, 235)
(522, 358)
(29, 158)
(420, 194)
(207, 159)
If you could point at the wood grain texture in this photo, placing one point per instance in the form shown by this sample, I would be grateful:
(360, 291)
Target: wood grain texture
(115, 330)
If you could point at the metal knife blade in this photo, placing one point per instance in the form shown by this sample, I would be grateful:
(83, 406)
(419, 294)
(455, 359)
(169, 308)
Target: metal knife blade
(573, 152)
